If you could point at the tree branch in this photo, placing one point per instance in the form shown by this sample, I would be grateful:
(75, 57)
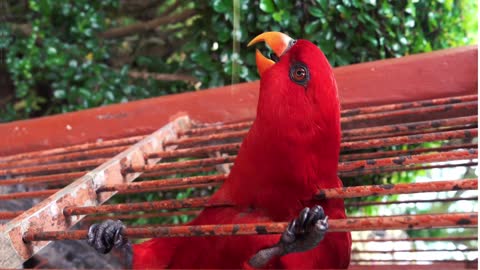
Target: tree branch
(162, 76)
(142, 27)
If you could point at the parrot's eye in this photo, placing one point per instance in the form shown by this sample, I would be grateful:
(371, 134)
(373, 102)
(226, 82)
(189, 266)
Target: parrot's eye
(299, 74)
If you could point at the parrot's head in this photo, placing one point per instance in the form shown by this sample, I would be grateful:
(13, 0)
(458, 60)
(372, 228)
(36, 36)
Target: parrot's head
(298, 93)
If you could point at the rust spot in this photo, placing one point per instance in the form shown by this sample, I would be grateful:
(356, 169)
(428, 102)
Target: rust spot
(399, 160)
(261, 229)
(235, 229)
(371, 161)
(436, 123)
(387, 186)
(195, 231)
(464, 221)
(456, 187)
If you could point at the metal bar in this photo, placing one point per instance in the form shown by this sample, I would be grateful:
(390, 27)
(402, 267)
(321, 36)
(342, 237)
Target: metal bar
(28, 194)
(43, 178)
(415, 250)
(408, 105)
(191, 141)
(178, 171)
(47, 215)
(344, 192)
(159, 184)
(427, 239)
(403, 169)
(189, 152)
(410, 222)
(378, 164)
(73, 148)
(83, 164)
(217, 128)
(359, 204)
(401, 128)
(180, 164)
(87, 154)
(143, 206)
(411, 111)
(411, 265)
(381, 154)
(411, 261)
(410, 139)
(405, 161)
(142, 215)
(193, 152)
(404, 188)
(9, 215)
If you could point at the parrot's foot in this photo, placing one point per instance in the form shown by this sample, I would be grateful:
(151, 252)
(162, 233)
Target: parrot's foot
(106, 235)
(302, 234)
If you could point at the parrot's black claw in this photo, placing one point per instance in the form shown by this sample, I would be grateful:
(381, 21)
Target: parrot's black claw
(106, 235)
(306, 231)
(302, 234)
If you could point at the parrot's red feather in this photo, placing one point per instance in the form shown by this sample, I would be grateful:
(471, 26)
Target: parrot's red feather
(290, 152)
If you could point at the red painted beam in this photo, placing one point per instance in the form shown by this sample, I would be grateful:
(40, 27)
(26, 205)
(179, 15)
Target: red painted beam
(451, 72)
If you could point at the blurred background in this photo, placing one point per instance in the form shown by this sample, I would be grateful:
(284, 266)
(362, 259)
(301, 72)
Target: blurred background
(62, 56)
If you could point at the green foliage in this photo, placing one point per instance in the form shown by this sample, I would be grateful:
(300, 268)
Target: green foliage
(62, 64)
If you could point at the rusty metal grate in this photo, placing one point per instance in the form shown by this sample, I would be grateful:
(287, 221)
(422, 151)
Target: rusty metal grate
(78, 181)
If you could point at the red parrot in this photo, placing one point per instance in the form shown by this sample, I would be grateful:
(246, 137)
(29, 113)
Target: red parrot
(290, 152)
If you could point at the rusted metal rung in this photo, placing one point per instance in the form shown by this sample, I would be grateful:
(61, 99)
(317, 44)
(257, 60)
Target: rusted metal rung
(347, 192)
(444, 200)
(408, 105)
(28, 194)
(416, 250)
(408, 128)
(411, 139)
(217, 128)
(159, 184)
(193, 141)
(378, 164)
(61, 177)
(142, 206)
(78, 165)
(407, 160)
(87, 154)
(335, 225)
(176, 171)
(411, 111)
(73, 148)
(426, 239)
(180, 164)
(9, 215)
(195, 151)
(382, 154)
(389, 189)
(402, 169)
(413, 261)
(142, 215)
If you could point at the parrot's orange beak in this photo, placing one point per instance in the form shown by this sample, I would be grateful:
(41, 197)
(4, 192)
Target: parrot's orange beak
(278, 42)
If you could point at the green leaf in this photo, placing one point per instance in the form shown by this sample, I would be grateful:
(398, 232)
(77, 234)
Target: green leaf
(267, 6)
(316, 12)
